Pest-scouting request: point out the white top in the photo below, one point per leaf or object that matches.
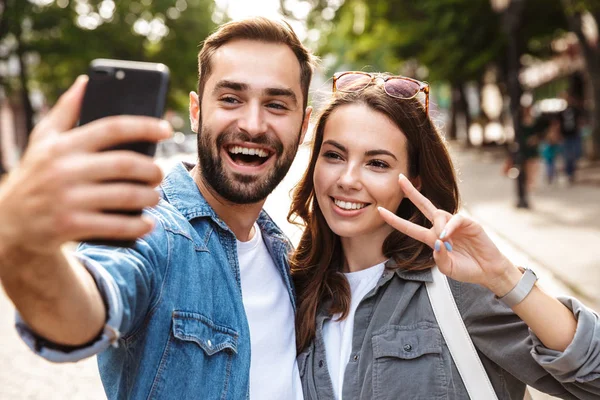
(338, 334)
(273, 368)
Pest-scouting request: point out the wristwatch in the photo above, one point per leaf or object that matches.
(521, 290)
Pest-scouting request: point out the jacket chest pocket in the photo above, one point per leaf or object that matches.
(408, 362)
(197, 347)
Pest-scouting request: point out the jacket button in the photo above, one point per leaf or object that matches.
(209, 343)
(407, 347)
(320, 363)
(355, 358)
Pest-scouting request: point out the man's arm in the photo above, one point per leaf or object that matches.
(59, 194)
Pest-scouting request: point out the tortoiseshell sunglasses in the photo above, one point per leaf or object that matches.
(399, 87)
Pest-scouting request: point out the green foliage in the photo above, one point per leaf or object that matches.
(63, 46)
(455, 39)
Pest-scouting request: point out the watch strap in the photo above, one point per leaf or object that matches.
(521, 290)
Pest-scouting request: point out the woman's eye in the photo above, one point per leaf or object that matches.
(379, 164)
(332, 155)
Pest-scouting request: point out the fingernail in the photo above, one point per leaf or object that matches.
(437, 245)
(443, 234)
(401, 176)
(448, 246)
(165, 126)
(81, 78)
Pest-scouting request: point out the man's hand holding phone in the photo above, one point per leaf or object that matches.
(65, 182)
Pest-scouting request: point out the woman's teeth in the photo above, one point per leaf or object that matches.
(346, 205)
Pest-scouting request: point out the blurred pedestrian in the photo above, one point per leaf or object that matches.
(529, 141)
(570, 122)
(550, 147)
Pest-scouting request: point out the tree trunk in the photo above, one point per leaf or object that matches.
(452, 135)
(464, 110)
(592, 62)
(513, 21)
(26, 102)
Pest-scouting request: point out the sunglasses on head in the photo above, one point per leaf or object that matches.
(399, 87)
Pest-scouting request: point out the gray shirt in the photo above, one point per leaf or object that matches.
(398, 351)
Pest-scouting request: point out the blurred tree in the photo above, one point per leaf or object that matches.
(456, 40)
(54, 40)
(576, 11)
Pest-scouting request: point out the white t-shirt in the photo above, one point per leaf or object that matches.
(273, 368)
(337, 335)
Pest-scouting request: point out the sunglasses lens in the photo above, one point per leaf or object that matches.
(402, 88)
(352, 82)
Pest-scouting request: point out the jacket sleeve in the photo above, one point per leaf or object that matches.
(128, 281)
(506, 342)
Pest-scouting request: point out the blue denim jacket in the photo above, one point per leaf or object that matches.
(176, 320)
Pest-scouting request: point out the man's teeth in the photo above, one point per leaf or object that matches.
(248, 151)
(346, 205)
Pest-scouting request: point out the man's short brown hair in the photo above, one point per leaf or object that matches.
(259, 29)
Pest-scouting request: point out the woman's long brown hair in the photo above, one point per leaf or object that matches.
(317, 261)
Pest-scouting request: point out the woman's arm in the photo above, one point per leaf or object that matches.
(464, 252)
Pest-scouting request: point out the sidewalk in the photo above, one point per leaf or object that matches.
(561, 230)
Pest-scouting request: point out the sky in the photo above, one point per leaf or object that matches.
(238, 9)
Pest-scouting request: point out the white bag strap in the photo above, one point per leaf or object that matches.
(457, 338)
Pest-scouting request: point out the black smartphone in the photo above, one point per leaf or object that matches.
(119, 87)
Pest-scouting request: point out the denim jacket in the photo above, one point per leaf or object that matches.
(398, 351)
(176, 320)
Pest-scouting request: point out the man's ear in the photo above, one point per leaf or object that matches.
(305, 123)
(194, 111)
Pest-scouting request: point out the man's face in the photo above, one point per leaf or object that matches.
(252, 119)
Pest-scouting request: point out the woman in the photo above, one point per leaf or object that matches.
(365, 327)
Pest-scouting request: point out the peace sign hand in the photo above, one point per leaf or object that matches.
(462, 249)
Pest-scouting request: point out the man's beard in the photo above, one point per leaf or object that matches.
(239, 188)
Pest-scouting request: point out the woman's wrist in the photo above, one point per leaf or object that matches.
(505, 281)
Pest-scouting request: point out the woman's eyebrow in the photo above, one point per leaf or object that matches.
(370, 153)
(379, 152)
(336, 144)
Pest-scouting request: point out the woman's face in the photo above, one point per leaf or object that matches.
(357, 169)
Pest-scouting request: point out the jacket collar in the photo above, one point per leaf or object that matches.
(181, 191)
(389, 272)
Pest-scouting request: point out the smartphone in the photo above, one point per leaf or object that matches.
(119, 87)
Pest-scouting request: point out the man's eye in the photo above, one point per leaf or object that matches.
(229, 100)
(277, 106)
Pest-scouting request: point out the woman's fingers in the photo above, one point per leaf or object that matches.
(415, 231)
(440, 219)
(451, 226)
(422, 202)
(442, 258)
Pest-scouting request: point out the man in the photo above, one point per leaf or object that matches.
(202, 307)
